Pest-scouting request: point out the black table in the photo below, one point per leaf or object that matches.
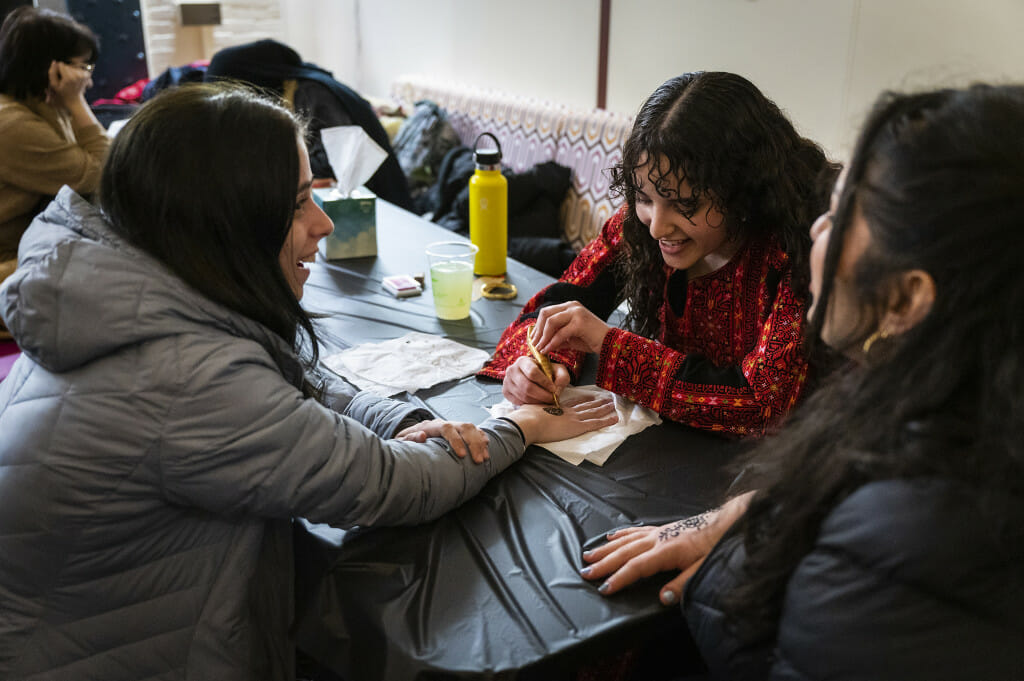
(490, 590)
(361, 311)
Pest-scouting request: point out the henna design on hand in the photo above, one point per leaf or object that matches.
(696, 522)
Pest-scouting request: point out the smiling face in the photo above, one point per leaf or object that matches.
(690, 232)
(309, 225)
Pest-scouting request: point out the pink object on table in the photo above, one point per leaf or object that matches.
(8, 353)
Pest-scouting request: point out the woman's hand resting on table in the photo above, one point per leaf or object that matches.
(580, 415)
(637, 552)
(463, 437)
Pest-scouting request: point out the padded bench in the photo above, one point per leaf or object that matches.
(533, 131)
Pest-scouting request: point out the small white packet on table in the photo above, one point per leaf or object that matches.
(597, 445)
(406, 364)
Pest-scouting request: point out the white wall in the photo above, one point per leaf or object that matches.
(168, 43)
(541, 48)
(823, 61)
(913, 44)
(323, 31)
(796, 51)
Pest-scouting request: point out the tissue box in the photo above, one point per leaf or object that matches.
(355, 223)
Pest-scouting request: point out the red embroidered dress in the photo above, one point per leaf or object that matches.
(729, 352)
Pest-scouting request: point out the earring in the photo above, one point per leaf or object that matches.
(879, 333)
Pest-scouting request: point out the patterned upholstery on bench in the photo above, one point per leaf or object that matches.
(590, 144)
(532, 131)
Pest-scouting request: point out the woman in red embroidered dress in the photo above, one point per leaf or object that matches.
(709, 251)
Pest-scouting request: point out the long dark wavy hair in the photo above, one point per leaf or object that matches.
(939, 180)
(204, 179)
(733, 146)
(32, 38)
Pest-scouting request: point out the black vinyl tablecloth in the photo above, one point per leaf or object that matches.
(492, 589)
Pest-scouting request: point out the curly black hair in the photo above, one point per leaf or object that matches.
(734, 147)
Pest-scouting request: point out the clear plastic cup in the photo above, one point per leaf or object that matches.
(451, 277)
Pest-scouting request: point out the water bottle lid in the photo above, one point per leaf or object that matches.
(489, 156)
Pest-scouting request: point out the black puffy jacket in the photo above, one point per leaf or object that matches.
(906, 581)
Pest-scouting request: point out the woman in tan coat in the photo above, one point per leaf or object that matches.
(48, 133)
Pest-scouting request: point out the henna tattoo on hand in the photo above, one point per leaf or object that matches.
(696, 522)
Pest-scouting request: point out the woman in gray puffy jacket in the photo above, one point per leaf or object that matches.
(163, 427)
(882, 533)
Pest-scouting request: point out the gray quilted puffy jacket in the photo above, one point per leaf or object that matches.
(152, 456)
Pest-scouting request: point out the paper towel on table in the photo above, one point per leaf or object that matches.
(409, 363)
(353, 155)
(597, 445)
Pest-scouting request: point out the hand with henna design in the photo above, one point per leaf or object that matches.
(633, 553)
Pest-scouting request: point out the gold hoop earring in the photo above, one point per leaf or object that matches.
(879, 333)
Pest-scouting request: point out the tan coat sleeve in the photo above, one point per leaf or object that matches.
(42, 155)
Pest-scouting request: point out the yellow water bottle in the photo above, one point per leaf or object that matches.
(488, 209)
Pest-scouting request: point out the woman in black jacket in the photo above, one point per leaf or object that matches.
(881, 534)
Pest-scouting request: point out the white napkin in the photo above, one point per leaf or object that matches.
(353, 155)
(597, 445)
(409, 363)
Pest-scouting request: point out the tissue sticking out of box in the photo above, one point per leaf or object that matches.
(354, 158)
(353, 155)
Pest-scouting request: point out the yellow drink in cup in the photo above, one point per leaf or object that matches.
(453, 289)
(451, 277)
